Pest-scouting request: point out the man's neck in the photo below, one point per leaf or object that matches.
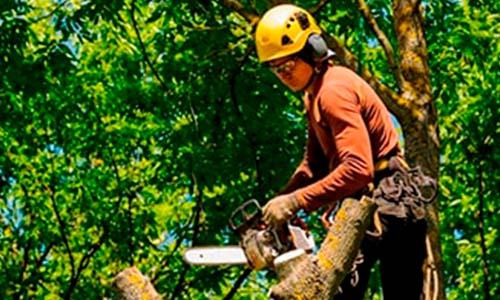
(314, 85)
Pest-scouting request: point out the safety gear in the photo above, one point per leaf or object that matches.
(318, 46)
(285, 67)
(282, 31)
(279, 210)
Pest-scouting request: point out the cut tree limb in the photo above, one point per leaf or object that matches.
(305, 277)
(130, 284)
(319, 276)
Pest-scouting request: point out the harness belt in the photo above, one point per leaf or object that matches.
(397, 189)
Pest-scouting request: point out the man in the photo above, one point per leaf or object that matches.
(349, 133)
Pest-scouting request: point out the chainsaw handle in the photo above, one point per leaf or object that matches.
(245, 216)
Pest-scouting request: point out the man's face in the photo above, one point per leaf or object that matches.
(292, 71)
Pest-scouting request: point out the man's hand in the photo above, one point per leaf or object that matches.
(280, 209)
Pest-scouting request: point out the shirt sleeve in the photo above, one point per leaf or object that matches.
(310, 169)
(341, 111)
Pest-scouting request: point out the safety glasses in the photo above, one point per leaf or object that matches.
(285, 67)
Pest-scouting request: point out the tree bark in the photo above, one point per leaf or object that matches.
(319, 276)
(130, 284)
(421, 129)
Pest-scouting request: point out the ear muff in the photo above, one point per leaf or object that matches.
(318, 47)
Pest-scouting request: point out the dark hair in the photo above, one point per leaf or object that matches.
(307, 55)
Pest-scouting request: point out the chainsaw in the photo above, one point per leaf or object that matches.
(260, 245)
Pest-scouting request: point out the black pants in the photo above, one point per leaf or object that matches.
(401, 250)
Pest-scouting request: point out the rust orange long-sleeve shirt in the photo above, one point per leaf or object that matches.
(349, 129)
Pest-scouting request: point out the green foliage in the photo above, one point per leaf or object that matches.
(465, 74)
(106, 162)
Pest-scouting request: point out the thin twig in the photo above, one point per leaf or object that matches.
(196, 190)
(238, 284)
(114, 166)
(193, 114)
(318, 6)
(29, 245)
(180, 283)
(130, 230)
(84, 262)
(178, 242)
(32, 281)
(62, 227)
(24, 265)
(143, 49)
(51, 13)
(86, 257)
(44, 255)
(383, 40)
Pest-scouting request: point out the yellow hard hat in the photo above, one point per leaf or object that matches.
(283, 30)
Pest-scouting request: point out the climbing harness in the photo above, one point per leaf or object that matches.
(405, 192)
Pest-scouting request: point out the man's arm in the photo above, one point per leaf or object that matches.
(284, 206)
(341, 109)
(310, 168)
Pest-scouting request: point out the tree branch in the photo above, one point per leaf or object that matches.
(62, 228)
(238, 283)
(118, 179)
(249, 136)
(87, 256)
(178, 242)
(400, 107)
(51, 13)
(28, 247)
(318, 6)
(383, 40)
(84, 262)
(413, 51)
(130, 221)
(240, 9)
(196, 190)
(33, 280)
(42, 257)
(143, 48)
(24, 265)
(486, 283)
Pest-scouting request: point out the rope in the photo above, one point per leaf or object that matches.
(431, 272)
(377, 232)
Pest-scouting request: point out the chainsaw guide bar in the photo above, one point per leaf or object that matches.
(215, 255)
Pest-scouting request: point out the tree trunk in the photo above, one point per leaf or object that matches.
(421, 130)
